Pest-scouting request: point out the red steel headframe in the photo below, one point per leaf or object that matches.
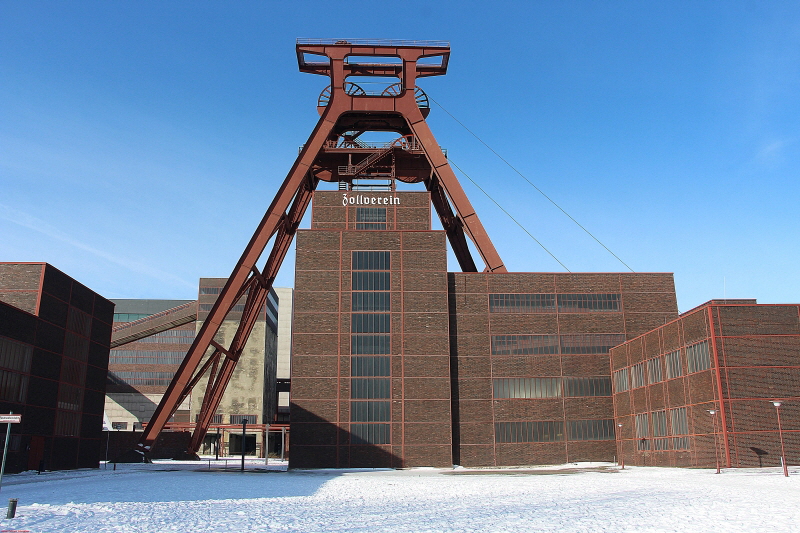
(395, 111)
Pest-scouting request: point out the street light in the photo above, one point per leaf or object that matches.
(619, 439)
(777, 405)
(713, 414)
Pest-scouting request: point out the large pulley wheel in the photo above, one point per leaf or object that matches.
(353, 89)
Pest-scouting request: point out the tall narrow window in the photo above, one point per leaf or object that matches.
(674, 368)
(642, 432)
(697, 357)
(637, 376)
(660, 430)
(654, 371)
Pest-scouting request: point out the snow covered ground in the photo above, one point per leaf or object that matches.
(193, 498)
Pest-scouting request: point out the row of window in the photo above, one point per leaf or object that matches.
(171, 336)
(138, 357)
(590, 343)
(654, 370)
(160, 379)
(129, 317)
(553, 431)
(662, 437)
(548, 303)
(556, 387)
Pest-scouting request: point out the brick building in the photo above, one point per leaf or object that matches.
(141, 369)
(54, 343)
(397, 362)
(729, 357)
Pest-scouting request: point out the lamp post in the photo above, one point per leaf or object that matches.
(619, 439)
(777, 405)
(713, 414)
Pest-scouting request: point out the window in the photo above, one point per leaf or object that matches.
(215, 419)
(68, 424)
(13, 386)
(210, 290)
(590, 429)
(642, 432)
(591, 386)
(370, 434)
(159, 379)
(173, 336)
(674, 368)
(660, 430)
(138, 357)
(524, 344)
(522, 303)
(370, 323)
(76, 346)
(16, 358)
(582, 303)
(129, 317)
(371, 301)
(637, 376)
(548, 431)
(371, 260)
(371, 281)
(590, 343)
(70, 397)
(697, 357)
(370, 218)
(370, 411)
(369, 388)
(238, 419)
(370, 344)
(79, 322)
(527, 388)
(621, 380)
(654, 371)
(369, 366)
(680, 426)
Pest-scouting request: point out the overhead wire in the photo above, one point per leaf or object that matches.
(508, 214)
(512, 167)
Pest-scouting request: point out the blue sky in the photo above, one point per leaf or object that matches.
(141, 142)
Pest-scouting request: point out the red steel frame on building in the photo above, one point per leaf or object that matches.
(342, 110)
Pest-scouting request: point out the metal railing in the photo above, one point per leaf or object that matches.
(376, 42)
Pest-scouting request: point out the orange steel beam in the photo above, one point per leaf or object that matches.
(392, 112)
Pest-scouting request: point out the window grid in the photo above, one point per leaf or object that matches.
(654, 370)
(637, 376)
(546, 431)
(674, 368)
(555, 387)
(238, 419)
(621, 380)
(642, 432)
(698, 357)
(370, 434)
(584, 303)
(371, 218)
(590, 429)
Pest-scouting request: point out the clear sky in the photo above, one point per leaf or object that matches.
(141, 142)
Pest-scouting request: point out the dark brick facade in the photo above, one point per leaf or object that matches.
(753, 358)
(446, 367)
(54, 339)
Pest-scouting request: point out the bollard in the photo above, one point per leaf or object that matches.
(12, 508)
